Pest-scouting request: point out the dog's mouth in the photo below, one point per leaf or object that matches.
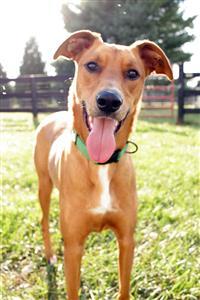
(101, 142)
(89, 120)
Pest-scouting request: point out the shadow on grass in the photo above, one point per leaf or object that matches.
(51, 282)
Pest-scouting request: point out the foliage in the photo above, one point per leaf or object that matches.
(32, 61)
(166, 258)
(2, 71)
(124, 22)
(64, 67)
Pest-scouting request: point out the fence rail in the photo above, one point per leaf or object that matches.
(160, 99)
(36, 94)
(184, 93)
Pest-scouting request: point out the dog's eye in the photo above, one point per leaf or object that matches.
(132, 74)
(92, 66)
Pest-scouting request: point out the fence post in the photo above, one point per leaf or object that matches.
(180, 117)
(34, 99)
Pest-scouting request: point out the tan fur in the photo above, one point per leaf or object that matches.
(59, 162)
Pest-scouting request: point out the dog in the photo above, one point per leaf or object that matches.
(82, 152)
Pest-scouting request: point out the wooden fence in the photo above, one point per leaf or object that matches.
(34, 94)
(37, 94)
(187, 98)
(158, 100)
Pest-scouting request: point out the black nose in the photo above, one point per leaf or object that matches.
(109, 101)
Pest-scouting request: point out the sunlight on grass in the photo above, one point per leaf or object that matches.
(166, 259)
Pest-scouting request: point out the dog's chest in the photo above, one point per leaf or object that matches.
(105, 200)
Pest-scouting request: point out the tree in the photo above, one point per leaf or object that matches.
(2, 72)
(32, 61)
(125, 21)
(64, 67)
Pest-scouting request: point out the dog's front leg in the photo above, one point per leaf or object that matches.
(126, 251)
(73, 251)
(74, 234)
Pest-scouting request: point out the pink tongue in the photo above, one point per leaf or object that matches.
(101, 141)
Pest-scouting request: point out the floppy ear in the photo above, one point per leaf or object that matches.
(76, 43)
(154, 58)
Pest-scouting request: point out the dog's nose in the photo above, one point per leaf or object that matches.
(109, 101)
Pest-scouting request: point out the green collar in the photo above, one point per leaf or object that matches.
(83, 149)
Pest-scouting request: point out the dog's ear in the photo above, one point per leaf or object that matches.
(76, 43)
(154, 58)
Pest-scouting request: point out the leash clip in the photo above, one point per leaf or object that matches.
(135, 145)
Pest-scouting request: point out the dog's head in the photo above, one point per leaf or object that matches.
(109, 81)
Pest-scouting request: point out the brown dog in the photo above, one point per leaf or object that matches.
(82, 151)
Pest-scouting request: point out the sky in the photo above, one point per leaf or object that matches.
(21, 19)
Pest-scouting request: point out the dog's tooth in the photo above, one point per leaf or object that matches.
(90, 122)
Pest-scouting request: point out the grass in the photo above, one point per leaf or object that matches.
(167, 254)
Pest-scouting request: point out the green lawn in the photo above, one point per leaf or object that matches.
(167, 254)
